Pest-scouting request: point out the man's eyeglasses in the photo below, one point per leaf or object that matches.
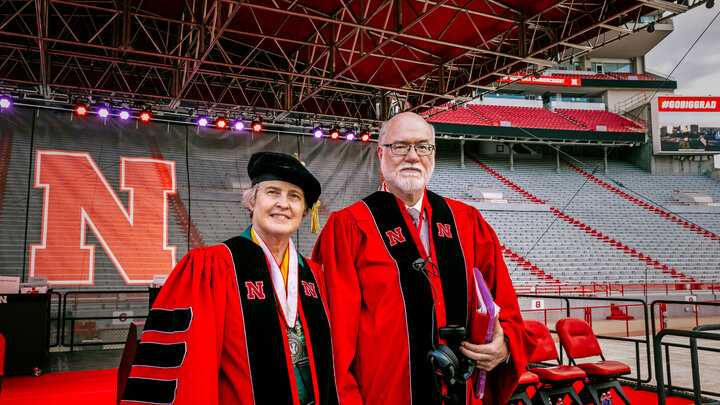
(402, 149)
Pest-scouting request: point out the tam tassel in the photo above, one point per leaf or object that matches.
(315, 218)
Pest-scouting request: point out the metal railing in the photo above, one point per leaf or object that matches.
(693, 335)
(118, 335)
(696, 333)
(622, 289)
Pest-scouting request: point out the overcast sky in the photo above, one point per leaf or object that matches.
(699, 72)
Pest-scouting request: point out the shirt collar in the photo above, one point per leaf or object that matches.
(418, 205)
(248, 235)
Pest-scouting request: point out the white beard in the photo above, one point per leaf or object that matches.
(406, 183)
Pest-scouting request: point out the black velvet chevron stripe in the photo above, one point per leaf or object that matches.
(160, 355)
(150, 391)
(264, 334)
(168, 321)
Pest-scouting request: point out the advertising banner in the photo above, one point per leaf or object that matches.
(554, 81)
(686, 125)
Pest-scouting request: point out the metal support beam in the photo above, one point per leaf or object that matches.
(41, 18)
(512, 156)
(605, 162)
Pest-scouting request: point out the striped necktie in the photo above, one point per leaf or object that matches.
(415, 215)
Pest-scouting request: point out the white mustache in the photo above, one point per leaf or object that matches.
(417, 166)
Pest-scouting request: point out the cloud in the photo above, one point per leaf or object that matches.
(697, 74)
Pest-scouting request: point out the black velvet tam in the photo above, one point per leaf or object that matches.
(264, 166)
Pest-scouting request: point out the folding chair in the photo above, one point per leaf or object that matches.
(555, 381)
(579, 341)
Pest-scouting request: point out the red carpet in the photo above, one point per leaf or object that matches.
(97, 387)
(636, 397)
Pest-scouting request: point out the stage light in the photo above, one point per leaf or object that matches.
(221, 123)
(81, 110)
(318, 132)
(710, 4)
(334, 134)
(103, 112)
(202, 121)
(238, 125)
(5, 102)
(124, 114)
(256, 126)
(651, 27)
(365, 136)
(145, 115)
(349, 135)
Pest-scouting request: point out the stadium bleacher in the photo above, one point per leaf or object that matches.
(599, 235)
(592, 119)
(669, 252)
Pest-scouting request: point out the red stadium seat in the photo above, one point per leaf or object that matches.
(2, 358)
(556, 381)
(579, 341)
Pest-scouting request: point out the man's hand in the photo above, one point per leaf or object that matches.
(489, 355)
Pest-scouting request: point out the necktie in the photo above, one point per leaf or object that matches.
(415, 215)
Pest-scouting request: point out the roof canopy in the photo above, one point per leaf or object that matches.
(306, 59)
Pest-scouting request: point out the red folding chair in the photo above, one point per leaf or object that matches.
(555, 381)
(579, 341)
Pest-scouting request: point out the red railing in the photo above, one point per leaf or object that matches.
(610, 289)
(587, 314)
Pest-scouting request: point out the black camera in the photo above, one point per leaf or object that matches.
(448, 362)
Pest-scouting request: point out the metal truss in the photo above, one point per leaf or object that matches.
(293, 60)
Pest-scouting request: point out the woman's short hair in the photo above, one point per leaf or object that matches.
(248, 197)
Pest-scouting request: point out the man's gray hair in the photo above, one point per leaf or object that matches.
(386, 124)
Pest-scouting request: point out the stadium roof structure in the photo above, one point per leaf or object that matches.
(293, 60)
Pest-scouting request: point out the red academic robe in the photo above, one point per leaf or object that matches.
(215, 334)
(372, 324)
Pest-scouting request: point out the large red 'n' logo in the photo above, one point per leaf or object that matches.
(77, 197)
(395, 236)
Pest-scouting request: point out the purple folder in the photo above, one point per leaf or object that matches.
(481, 375)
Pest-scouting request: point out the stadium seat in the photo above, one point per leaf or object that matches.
(579, 341)
(555, 381)
(2, 359)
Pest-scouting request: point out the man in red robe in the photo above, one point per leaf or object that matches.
(398, 266)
